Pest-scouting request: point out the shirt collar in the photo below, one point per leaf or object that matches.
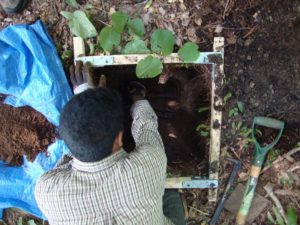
(105, 163)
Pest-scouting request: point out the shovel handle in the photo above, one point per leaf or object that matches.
(268, 122)
(248, 195)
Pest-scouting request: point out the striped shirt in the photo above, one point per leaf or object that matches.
(124, 188)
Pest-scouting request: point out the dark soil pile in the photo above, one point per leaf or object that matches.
(23, 131)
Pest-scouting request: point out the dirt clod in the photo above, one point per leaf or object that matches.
(23, 131)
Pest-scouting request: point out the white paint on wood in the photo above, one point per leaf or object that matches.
(176, 182)
(78, 46)
(216, 117)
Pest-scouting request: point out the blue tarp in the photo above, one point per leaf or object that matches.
(31, 74)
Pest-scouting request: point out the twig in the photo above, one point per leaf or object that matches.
(295, 201)
(101, 21)
(225, 9)
(294, 167)
(295, 193)
(226, 28)
(199, 211)
(253, 29)
(280, 158)
(236, 155)
(269, 189)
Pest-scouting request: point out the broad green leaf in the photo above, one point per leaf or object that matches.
(162, 42)
(79, 24)
(67, 15)
(189, 52)
(292, 216)
(119, 21)
(136, 26)
(72, 3)
(241, 106)
(149, 67)
(109, 38)
(135, 47)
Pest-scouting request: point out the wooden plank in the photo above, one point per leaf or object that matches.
(176, 182)
(114, 60)
(216, 119)
(78, 46)
(134, 59)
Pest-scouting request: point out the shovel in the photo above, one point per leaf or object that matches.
(259, 157)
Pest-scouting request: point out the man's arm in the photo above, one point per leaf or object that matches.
(144, 126)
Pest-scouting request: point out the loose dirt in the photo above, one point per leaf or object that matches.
(23, 131)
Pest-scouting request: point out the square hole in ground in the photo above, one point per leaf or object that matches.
(181, 98)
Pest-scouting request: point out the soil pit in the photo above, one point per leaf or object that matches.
(24, 131)
(176, 103)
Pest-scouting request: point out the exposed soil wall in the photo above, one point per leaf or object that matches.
(176, 103)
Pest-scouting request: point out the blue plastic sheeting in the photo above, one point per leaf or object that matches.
(32, 74)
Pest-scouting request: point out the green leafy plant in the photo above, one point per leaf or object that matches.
(119, 21)
(233, 112)
(227, 97)
(203, 109)
(72, 3)
(272, 156)
(129, 32)
(243, 132)
(135, 47)
(203, 130)
(162, 42)
(109, 38)
(239, 108)
(149, 67)
(292, 217)
(189, 52)
(136, 27)
(79, 24)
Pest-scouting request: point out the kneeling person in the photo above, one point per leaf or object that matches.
(100, 183)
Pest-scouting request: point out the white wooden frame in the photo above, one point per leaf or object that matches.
(216, 59)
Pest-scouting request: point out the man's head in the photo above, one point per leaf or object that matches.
(91, 124)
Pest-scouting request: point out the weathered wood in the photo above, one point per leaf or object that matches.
(134, 59)
(176, 182)
(216, 119)
(78, 46)
(115, 60)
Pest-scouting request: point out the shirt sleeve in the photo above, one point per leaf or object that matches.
(145, 126)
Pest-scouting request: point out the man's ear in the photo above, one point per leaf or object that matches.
(118, 142)
(120, 138)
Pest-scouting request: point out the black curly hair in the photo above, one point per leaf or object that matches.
(90, 122)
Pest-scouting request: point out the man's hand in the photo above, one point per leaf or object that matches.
(137, 91)
(83, 77)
